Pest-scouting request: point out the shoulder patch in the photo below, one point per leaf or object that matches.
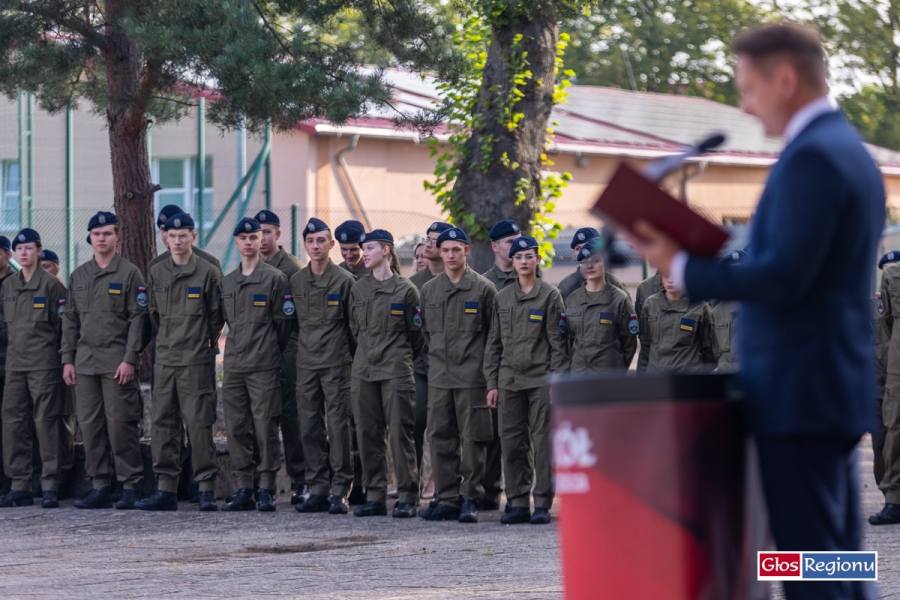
(142, 299)
(880, 303)
(633, 327)
(61, 307)
(563, 328)
(417, 318)
(288, 307)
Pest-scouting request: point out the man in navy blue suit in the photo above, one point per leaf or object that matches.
(804, 339)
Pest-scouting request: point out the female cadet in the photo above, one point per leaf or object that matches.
(385, 320)
(602, 325)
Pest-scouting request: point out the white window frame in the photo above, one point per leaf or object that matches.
(10, 201)
(188, 192)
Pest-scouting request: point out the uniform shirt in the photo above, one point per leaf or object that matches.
(457, 319)
(724, 329)
(33, 315)
(322, 305)
(185, 311)
(4, 338)
(648, 287)
(290, 265)
(499, 278)
(260, 315)
(386, 322)
(602, 328)
(675, 336)
(363, 270)
(575, 280)
(198, 251)
(527, 340)
(105, 317)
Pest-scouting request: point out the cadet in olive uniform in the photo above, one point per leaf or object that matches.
(103, 336)
(348, 234)
(275, 256)
(33, 302)
(456, 309)
(187, 319)
(50, 261)
(527, 342)
(575, 280)
(724, 324)
(600, 319)
(385, 320)
(5, 272)
(676, 333)
(321, 294)
(419, 278)
(259, 311)
(166, 213)
(648, 287)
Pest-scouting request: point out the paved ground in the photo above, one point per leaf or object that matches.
(68, 553)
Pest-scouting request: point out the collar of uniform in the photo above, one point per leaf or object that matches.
(501, 274)
(387, 286)
(603, 297)
(320, 280)
(253, 277)
(534, 291)
(680, 305)
(35, 280)
(110, 268)
(276, 260)
(465, 282)
(188, 269)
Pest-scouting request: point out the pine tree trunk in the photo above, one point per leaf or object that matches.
(491, 194)
(126, 117)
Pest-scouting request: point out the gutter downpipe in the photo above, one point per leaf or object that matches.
(355, 200)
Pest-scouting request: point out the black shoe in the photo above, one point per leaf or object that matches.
(160, 500)
(49, 500)
(17, 499)
(242, 500)
(541, 516)
(441, 512)
(207, 501)
(128, 500)
(516, 514)
(300, 495)
(98, 498)
(404, 510)
(5, 486)
(195, 493)
(357, 496)
(266, 501)
(889, 515)
(116, 491)
(339, 506)
(371, 509)
(432, 504)
(315, 503)
(469, 511)
(487, 504)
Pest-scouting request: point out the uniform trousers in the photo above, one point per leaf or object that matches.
(323, 400)
(183, 397)
(252, 404)
(493, 469)
(291, 435)
(525, 441)
(377, 406)
(890, 411)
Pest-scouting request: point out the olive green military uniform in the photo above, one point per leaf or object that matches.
(290, 420)
(724, 329)
(420, 370)
(499, 278)
(575, 280)
(104, 324)
(890, 304)
(457, 319)
(363, 270)
(323, 377)
(187, 318)
(385, 320)
(527, 342)
(35, 392)
(602, 329)
(260, 315)
(880, 354)
(357, 463)
(648, 287)
(675, 336)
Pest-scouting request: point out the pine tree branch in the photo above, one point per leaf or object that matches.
(275, 34)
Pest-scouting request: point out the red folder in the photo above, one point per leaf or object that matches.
(631, 197)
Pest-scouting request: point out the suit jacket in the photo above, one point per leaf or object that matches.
(804, 335)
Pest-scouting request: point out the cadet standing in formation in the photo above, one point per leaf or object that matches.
(50, 261)
(275, 256)
(675, 333)
(648, 287)
(385, 321)
(321, 296)
(104, 326)
(724, 325)
(527, 343)
(575, 280)
(187, 318)
(457, 307)
(5, 273)
(35, 394)
(348, 234)
(600, 319)
(166, 213)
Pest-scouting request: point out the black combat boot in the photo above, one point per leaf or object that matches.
(316, 503)
(128, 500)
(404, 510)
(301, 494)
(98, 498)
(339, 506)
(242, 500)
(441, 512)
(49, 500)
(159, 501)
(207, 502)
(266, 500)
(469, 511)
(541, 516)
(15, 498)
(371, 509)
(516, 515)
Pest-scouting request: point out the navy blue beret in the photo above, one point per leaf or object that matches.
(4, 243)
(377, 235)
(348, 232)
(179, 221)
(439, 227)
(502, 229)
(247, 225)
(102, 219)
(582, 235)
(315, 226)
(891, 257)
(525, 242)
(49, 255)
(25, 236)
(454, 234)
(590, 248)
(267, 217)
(734, 258)
(167, 211)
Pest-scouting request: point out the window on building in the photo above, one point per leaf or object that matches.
(178, 178)
(10, 195)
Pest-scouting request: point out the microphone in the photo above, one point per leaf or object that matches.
(658, 169)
